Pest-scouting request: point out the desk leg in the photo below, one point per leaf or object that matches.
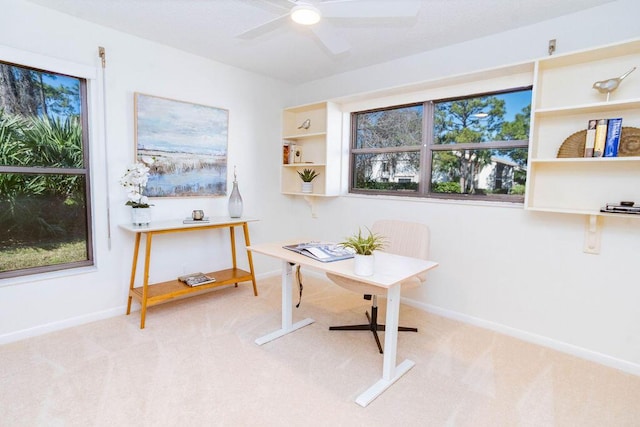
(136, 248)
(287, 307)
(390, 372)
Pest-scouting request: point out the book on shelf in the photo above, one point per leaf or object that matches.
(296, 155)
(601, 138)
(590, 140)
(323, 252)
(195, 221)
(285, 154)
(196, 279)
(614, 128)
(292, 153)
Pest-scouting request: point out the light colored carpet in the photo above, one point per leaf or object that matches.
(196, 364)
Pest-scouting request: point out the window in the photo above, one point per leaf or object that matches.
(471, 148)
(44, 172)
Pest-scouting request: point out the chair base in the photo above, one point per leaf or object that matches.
(372, 326)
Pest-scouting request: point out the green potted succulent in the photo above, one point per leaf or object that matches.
(307, 176)
(364, 245)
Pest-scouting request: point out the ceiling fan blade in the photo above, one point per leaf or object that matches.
(284, 4)
(336, 45)
(263, 28)
(368, 8)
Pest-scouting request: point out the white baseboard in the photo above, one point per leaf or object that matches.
(583, 353)
(79, 320)
(563, 347)
(63, 324)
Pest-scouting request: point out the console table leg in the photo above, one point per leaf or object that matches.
(232, 233)
(247, 243)
(136, 247)
(143, 315)
(129, 304)
(145, 283)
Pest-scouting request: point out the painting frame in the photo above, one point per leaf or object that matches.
(184, 144)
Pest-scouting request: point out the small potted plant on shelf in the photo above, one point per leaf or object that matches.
(364, 246)
(307, 176)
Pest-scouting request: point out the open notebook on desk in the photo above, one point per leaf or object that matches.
(324, 252)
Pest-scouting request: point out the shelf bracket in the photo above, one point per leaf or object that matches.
(311, 202)
(592, 234)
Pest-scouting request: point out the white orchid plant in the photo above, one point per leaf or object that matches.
(135, 181)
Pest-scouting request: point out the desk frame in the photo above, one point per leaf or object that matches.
(287, 308)
(153, 294)
(404, 267)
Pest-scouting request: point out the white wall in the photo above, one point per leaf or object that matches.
(520, 272)
(35, 305)
(523, 273)
(606, 24)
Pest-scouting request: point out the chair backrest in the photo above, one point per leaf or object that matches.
(404, 238)
(401, 238)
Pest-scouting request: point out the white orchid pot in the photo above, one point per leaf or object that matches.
(140, 216)
(307, 187)
(363, 265)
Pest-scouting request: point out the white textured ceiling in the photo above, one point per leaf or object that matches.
(209, 28)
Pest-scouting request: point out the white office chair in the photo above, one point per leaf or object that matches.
(401, 238)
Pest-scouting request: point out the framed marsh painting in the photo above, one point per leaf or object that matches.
(188, 143)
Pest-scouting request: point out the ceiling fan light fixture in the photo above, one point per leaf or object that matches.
(305, 14)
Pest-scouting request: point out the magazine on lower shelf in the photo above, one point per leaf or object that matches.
(196, 279)
(322, 251)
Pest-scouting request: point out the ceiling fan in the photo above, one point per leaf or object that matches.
(311, 13)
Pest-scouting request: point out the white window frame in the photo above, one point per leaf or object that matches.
(94, 102)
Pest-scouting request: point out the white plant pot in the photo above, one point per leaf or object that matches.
(140, 216)
(363, 265)
(307, 187)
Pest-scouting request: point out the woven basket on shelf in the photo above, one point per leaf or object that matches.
(629, 142)
(573, 146)
(629, 145)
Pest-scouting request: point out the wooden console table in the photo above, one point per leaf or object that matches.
(158, 293)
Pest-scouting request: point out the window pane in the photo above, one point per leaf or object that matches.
(387, 171)
(498, 117)
(44, 211)
(479, 172)
(474, 146)
(397, 127)
(39, 118)
(42, 220)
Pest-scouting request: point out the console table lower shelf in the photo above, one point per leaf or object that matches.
(159, 293)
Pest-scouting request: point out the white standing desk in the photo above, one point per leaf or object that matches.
(390, 271)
